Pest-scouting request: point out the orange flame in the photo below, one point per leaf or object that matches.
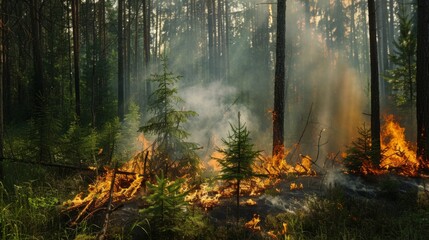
(294, 186)
(398, 154)
(253, 224)
(125, 187)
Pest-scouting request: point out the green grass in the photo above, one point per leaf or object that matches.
(338, 216)
(29, 209)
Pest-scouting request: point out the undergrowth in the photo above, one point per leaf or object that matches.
(339, 216)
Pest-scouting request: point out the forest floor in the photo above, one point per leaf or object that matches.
(330, 206)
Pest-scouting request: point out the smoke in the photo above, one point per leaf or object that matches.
(320, 78)
(317, 76)
(217, 105)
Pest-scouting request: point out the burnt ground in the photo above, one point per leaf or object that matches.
(384, 189)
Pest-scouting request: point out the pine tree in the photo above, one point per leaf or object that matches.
(172, 152)
(359, 153)
(402, 76)
(168, 214)
(238, 157)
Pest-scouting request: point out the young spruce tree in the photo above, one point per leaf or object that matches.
(238, 158)
(403, 75)
(166, 212)
(173, 155)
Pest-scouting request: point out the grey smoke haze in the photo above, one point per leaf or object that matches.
(315, 77)
(217, 106)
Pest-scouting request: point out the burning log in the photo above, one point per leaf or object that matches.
(109, 206)
(111, 187)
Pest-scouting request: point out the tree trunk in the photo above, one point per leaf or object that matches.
(279, 81)
(39, 98)
(4, 77)
(422, 83)
(227, 64)
(76, 53)
(1, 94)
(146, 45)
(210, 31)
(121, 102)
(375, 97)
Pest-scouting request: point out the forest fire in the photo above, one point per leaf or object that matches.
(125, 187)
(398, 154)
(128, 182)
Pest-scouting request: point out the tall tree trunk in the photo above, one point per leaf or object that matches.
(76, 54)
(375, 95)
(279, 81)
(39, 98)
(210, 31)
(121, 102)
(95, 62)
(227, 64)
(127, 67)
(136, 74)
(422, 82)
(146, 45)
(2, 32)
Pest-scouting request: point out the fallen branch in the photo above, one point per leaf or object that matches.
(302, 134)
(80, 168)
(109, 206)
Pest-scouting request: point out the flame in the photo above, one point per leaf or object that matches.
(250, 202)
(131, 177)
(213, 163)
(125, 187)
(398, 154)
(253, 224)
(294, 186)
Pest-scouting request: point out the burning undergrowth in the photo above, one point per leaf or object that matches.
(128, 182)
(398, 154)
(277, 187)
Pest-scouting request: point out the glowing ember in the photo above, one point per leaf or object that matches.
(272, 235)
(253, 224)
(250, 202)
(294, 186)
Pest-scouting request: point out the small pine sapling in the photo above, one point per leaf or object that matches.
(168, 214)
(238, 158)
(172, 151)
(359, 154)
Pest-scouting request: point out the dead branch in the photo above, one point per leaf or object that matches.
(109, 206)
(302, 134)
(57, 165)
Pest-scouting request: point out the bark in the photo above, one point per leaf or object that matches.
(76, 54)
(227, 64)
(38, 80)
(4, 77)
(422, 82)
(146, 43)
(1, 98)
(375, 95)
(279, 81)
(210, 31)
(121, 102)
